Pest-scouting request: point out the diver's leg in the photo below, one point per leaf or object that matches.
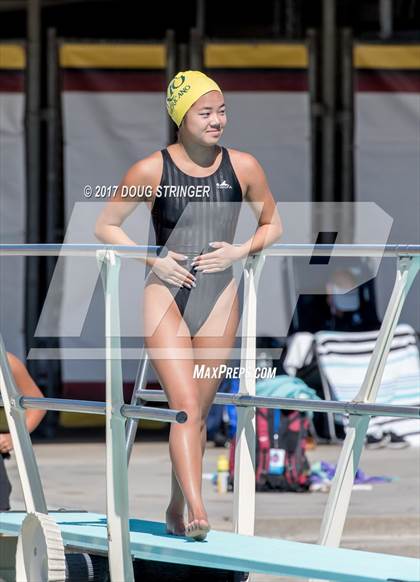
(224, 305)
(162, 322)
(224, 315)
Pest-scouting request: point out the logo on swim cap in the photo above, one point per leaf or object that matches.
(175, 84)
(184, 90)
(175, 92)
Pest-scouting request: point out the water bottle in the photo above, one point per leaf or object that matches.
(222, 474)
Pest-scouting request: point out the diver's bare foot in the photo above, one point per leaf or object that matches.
(197, 529)
(175, 522)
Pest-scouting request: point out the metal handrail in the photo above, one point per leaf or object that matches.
(281, 250)
(301, 404)
(222, 398)
(95, 407)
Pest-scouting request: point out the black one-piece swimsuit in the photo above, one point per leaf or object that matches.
(187, 224)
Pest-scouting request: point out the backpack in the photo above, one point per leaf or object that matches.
(280, 460)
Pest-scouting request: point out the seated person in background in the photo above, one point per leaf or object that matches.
(27, 387)
(344, 302)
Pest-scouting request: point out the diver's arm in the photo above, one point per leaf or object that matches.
(142, 178)
(27, 387)
(261, 200)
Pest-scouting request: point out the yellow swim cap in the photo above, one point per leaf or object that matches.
(184, 90)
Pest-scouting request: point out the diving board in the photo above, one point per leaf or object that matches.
(229, 551)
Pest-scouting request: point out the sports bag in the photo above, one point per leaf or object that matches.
(280, 460)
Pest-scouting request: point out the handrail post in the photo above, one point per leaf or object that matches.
(244, 478)
(139, 385)
(339, 496)
(119, 551)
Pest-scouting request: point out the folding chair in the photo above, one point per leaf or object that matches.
(343, 359)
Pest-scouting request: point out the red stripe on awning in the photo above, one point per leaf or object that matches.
(12, 81)
(246, 80)
(125, 81)
(129, 81)
(116, 81)
(388, 81)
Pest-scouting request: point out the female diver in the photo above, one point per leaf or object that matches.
(191, 298)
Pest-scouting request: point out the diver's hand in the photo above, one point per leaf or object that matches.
(6, 444)
(217, 260)
(171, 272)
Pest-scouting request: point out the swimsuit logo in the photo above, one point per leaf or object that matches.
(223, 185)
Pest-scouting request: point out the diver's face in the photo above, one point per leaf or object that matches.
(205, 120)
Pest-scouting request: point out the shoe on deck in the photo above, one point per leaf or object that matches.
(377, 442)
(396, 441)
